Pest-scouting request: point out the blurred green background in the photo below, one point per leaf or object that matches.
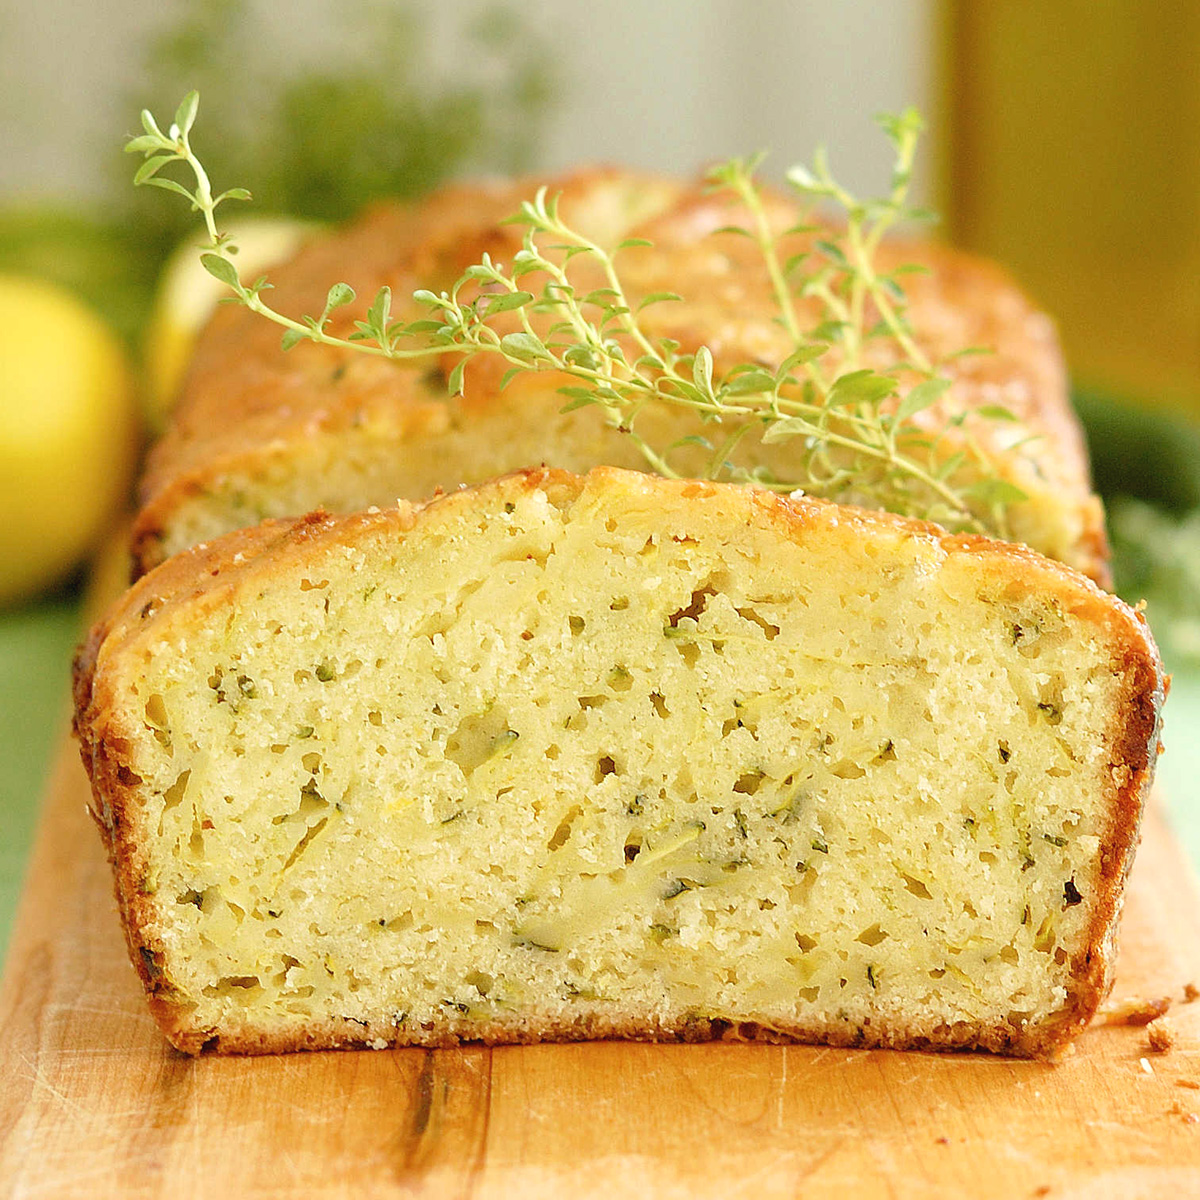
(1064, 140)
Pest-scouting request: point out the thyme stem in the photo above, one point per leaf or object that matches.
(856, 434)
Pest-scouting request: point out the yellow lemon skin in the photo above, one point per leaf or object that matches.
(187, 294)
(68, 433)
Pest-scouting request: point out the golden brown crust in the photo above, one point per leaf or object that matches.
(246, 405)
(207, 573)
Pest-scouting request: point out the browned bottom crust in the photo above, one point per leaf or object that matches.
(1043, 1043)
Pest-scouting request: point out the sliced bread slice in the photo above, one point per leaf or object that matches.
(564, 757)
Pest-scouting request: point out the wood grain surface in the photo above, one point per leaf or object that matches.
(94, 1103)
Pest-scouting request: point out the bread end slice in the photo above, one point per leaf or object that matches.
(564, 757)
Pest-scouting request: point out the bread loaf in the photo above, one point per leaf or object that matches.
(558, 757)
(262, 433)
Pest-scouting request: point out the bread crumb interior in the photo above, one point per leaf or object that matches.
(599, 756)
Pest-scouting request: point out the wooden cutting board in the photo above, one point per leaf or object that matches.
(94, 1103)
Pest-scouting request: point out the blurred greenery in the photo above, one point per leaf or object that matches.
(1138, 450)
(1146, 466)
(101, 261)
(376, 117)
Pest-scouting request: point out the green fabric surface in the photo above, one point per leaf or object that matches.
(36, 644)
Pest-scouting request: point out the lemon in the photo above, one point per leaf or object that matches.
(187, 294)
(68, 432)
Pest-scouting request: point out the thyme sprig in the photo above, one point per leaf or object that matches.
(853, 424)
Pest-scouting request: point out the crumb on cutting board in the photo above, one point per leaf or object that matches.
(1161, 1035)
(1134, 1010)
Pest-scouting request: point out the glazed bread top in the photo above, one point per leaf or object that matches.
(245, 437)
